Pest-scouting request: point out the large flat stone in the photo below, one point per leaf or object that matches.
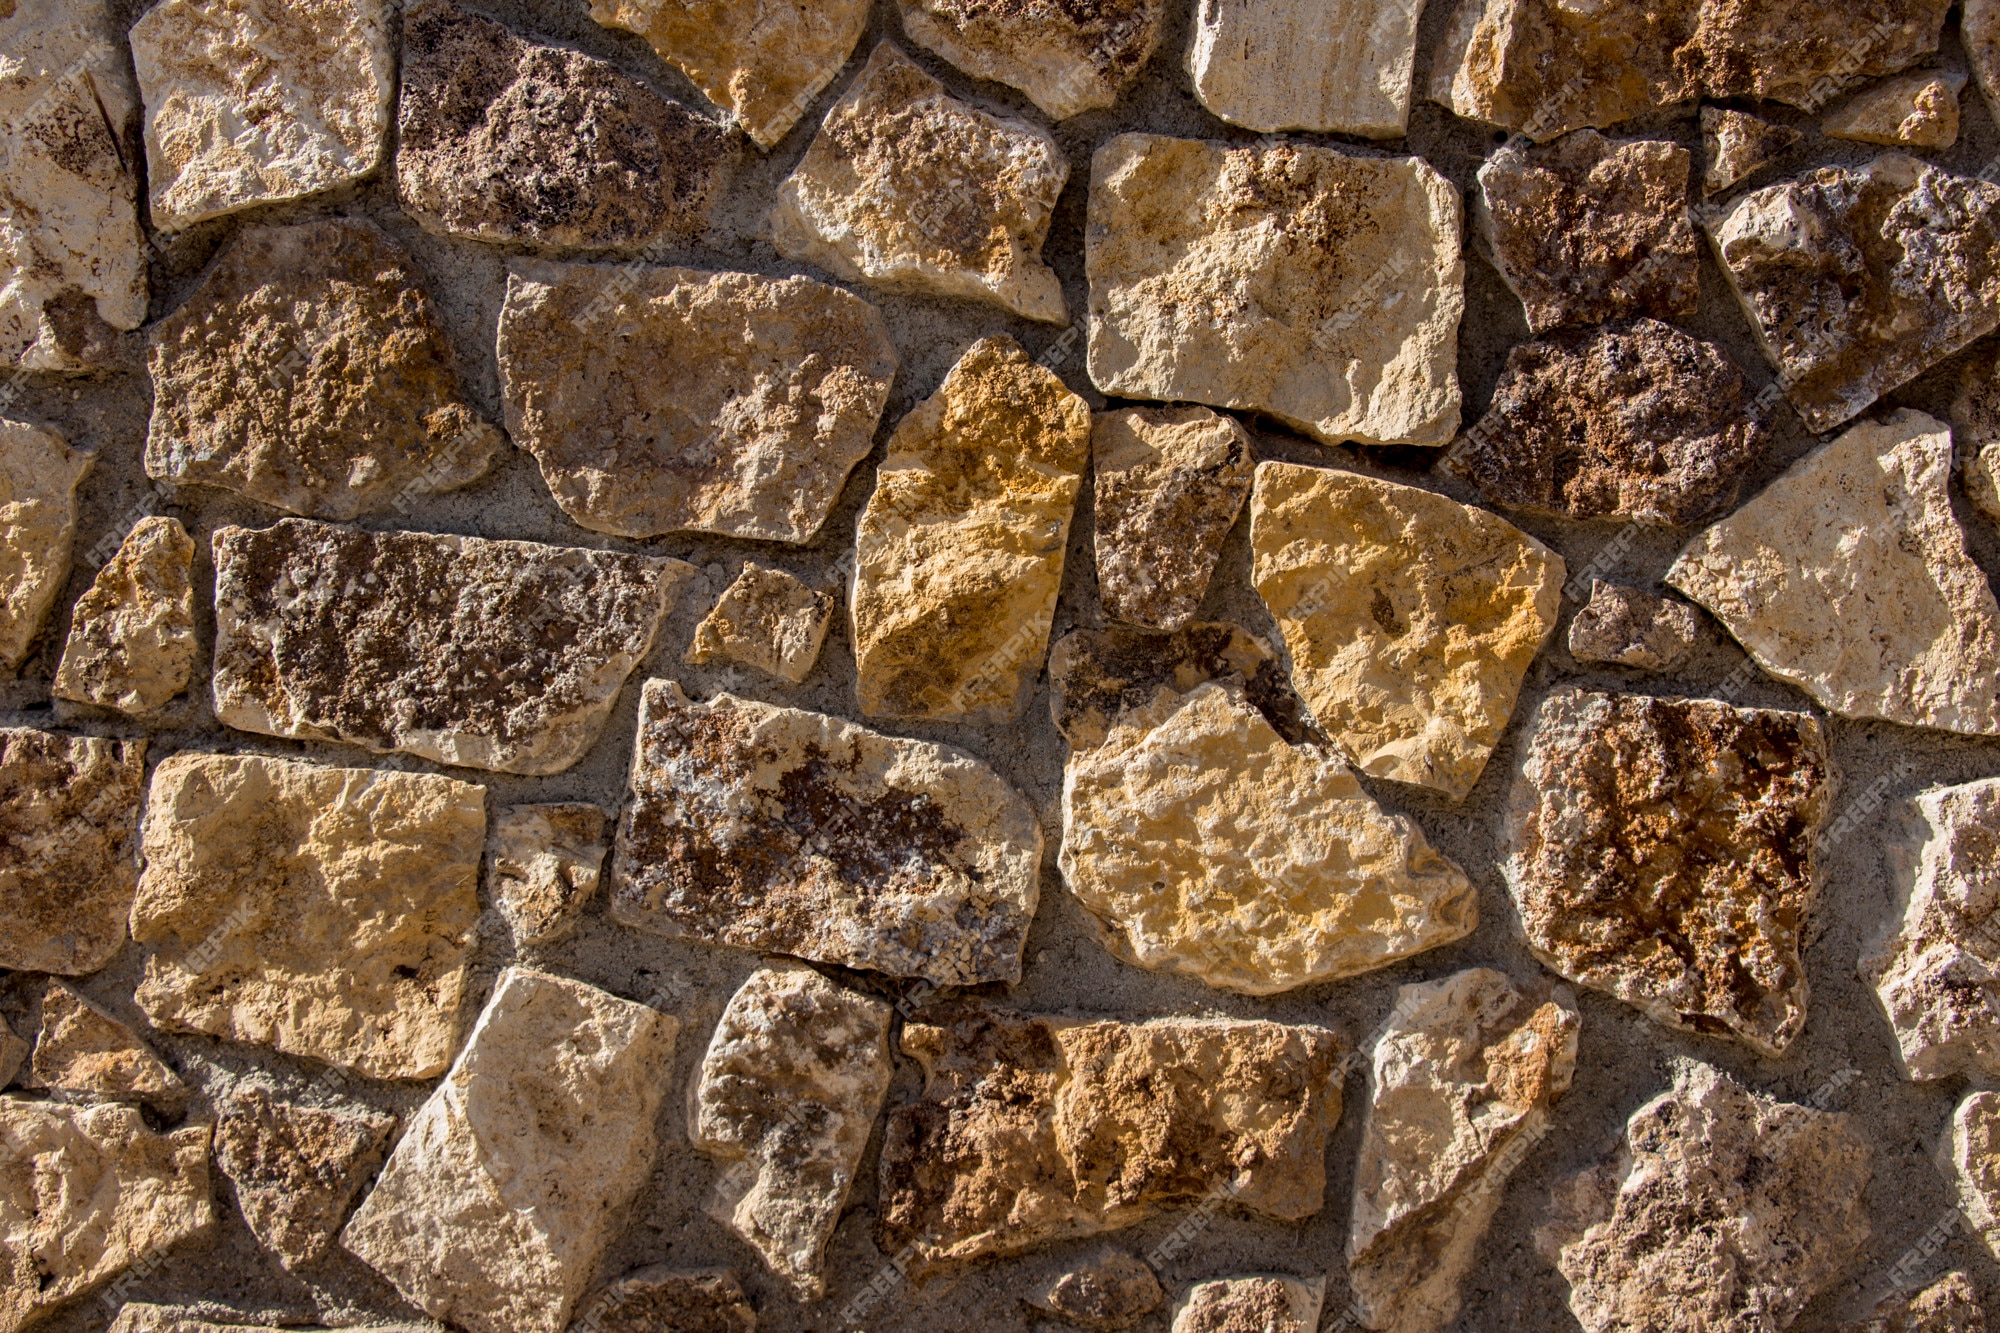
(85, 1052)
(1068, 56)
(1170, 483)
(1265, 1303)
(767, 619)
(1344, 68)
(542, 867)
(69, 826)
(297, 1169)
(132, 637)
(39, 474)
(1097, 676)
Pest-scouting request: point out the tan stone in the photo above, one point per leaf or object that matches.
(1948, 1305)
(39, 474)
(1971, 1152)
(1913, 111)
(1261, 1304)
(1306, 65)
(131, 639)
(297, 1169)
(1098, 676)
(542, 868)
(69, 833)
(136, 1317)
(1110, 1290)
(660, 1299)
(1975, 429)
(1170, 484)
(766, 619)
(1979, 30)
(1326, 286)
(84, 1051)
(1068, 57)
(959, 554)
(1737, 145)
(1628, 627)
(325, 912)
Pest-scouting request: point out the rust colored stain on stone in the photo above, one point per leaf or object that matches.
(69, 836)
(1096, 676)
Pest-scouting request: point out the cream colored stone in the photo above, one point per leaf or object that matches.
(1251, 1305)
(1737, 146)
(131, 638)
(1912, 111)
(69, 826)
(1170, 483)
(542, 868)
(1068, 56)
(297, 1169)
(766, 619)
(82, 1050)
(39, 474)
(1971, 1152)
(1274, 65)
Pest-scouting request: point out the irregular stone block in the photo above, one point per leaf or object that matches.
(959, 554)
(1979, 30)
(1170, 483)
(1972, 1164)
(793, 832)
(131, 637)
(325, 912)
(487, 1215)
(1975, 429)
(1661, 851)
(1737, 146)
(1097, 676)
(1627, 627)
(1068, 57)
(297, 1169)
(1411, 619)
(675, 400)
(658, 1299)
(1849, 578)
(83, 1050)
(911, 190)
(309, 371)
(766, 619)
(1331, 285)
(499, 655)
(69, 833)
(1305, 65)
(542, 867)
(39, 474)
(1264, 1304)
(135, 1317)
(1913, 111)
(1108, 1291)
(1948, 1305)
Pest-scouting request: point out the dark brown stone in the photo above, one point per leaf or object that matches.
(69, 848)
(658, 1299)
(1170, 483)
(1097, 675)
(1628, 627)
(297, 1169)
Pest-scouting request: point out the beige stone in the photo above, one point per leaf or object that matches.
(69, 835)
(137, 1317)
(1110, 1290)
(131, 638)
(297, 1169)
(1632, 628)
(84, 1051)
(1272, 65)
(1948, 1305)
(1170, 483)
(1737, 145)
(542, 868)
(1979, 30)
(1971, 1152)
(959, 554)
(766, 619)
(1321, 287)
(1261, 1304)
(39, 474)
(661, 1299)
(1912, 111)
(1068, 57)
(325, 912)
(1098, 676)
(1975, 430)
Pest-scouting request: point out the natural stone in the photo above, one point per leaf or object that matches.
(790, 1089)
(1205, 845)
(1849, 578)
(1638, 422)
(659, 1299)
(131, 638)
(911, 190)
(1737, 145)
(1979, 30)
(959, 554)
(1725, 1210)
(39, 474)
(792, 832)
(1948, 1305)
(487, 1216)
(1170, 483)
(297, 1169)
(1589, 230)
(84, 1051)
(1030, 1129)
(1971, 1153)
(137, 1317)
(309, 371)
(1108, 1291)
(1913, 111)
(69, 841)
(325, 912)
(499, 655)
(502, 139)
(260, 101)
(1858, 280)
(1068, 57)
(1251, 1305)
(766, 619)
(542, 867)
(1306, 66)
(1661, 851)
(1097, 676)
(1628, 627)
(674, 400)
(13, 1054)
(1331, 285)
(1411, 619)
(1461, 1084)
(1975, 428)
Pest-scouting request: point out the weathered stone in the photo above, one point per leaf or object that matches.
(1661, 851)
(39, 474)
(959, 554)
(1068, 57)
(498, 655)
(1975, 429)
(1627, 627)
(13, 1054)
(1031, 1129)
(84, 1051)
(1305, 65)
(542, 867)
(790, 1088)
(675, 400)
(911, 190)
(1589, 230)
(1948, 1305)
(1170, 483)
(1725, 1210)
(1979, 30)
(1971, 1153)
(69, 833)
(1461, 1084)
(260, 101)
(309, 371)
(1108, 1291)
(1330, 285)
(297, 1169)
(1737, 146)
(1251, 1305)
(660, 1299)
(502, 139)
(793, 832)
(766, 619)
(1859, 280)
(1411, 619)
(326, 912)
(1096, 676)
(136, 1317)
(1849, 578)
(1913, 111)
(131, 638)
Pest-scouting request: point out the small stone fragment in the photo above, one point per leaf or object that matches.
(659, 1299)
(1107, 1292)
(1975, 428)
(1068, 57)
(912, 190)
(542, 866)
(297, 1169)
(766, 619)
(674, 400)
(1411, 619)
(1948, 1305)
(131, 638)
(1306, 65)
(1251, 1305)
(1170, 483)
(792, 832)
(1738, 145)
(39, 474)
(260, 101)
(325, 912)
(1627, 627)
(1330, 285)
(959, 554)
(1849, 578)
(13, 1054)
(1097, 676)
(84, 1051)
(498, 655)
(69, 835)
(1913, 111)
(135, 1317)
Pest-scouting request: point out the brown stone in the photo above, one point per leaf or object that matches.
(1108, 1291)
(39, 474)
(69, 839)
(1170, 484)
(1096, 676)
(13, 1054)
(1979, 29)
(296, 1168)
(1261, 1304)
(1068, 57)
(660, 1299)
(1948, 1305)
(207, 1317)
(1975, 429)
(1737, 146)
(1627, 627)
(84, 1051)
(542, 866)
(131, 637)
(766, 619)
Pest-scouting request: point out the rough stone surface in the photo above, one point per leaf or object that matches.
(69, 831)
(260, 101)
(1108, 1291)
(959, 554)
(1170, 483)
(675, 400)
(297, 1169)
(1068, 57)
(84, 1051)
(772, 828)
(1948, 1305)
(1979, 30)
(1330, 285)
(661, 1299)
(1096, 676)
(1913, 111)
(325, 912)
(1972, 1164)
(1849, 578)
(497, 655)
(139, 1317)
(39, 475)
(766, 619)
(1411, 619)
(1262, 1304)
(132, 639)
(1975, 429)
(1307, 65)
(1631, 628)
(487, 1215)
(542, 867)
(1737, 145)
(13, 1054)
(1661, 851)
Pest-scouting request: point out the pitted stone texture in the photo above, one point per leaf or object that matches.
(660, 1299)
(1661, 851)
(84, 1051)
(69, 832)
(1737, 146)
(487, 1215)
(1329, 285)
(260, 101)
(1975, 429)
(1109, 1291)
(325, 912)
(789, 1090)
(136, 1317)
(1068, 57)
(542, 868)
(1411, 619)
(1461, 1084)
(1979, 30)
(39, 474)
(959, 554)
(1170, 483)
(1972, 1164)
(1948, 1305)
(911, 190)
(1031, 1129)
(131, 637)
(1913, 111)
(675, 400)
(499, 655)
(1631, 628)
(796, 833)
(1849, 578)
(1097, 676)
(1262, 1304)
(766, 619)
(1306, 65)
(502, 139)
(297, 1169)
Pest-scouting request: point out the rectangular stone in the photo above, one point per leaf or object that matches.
(69, 825)
(1272, 65)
